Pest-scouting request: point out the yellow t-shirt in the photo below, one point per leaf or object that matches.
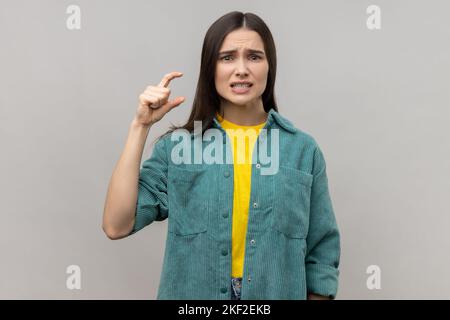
(243, 140)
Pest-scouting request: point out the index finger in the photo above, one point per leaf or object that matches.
(169, 77)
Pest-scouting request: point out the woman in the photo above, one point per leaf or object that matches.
(235, 231)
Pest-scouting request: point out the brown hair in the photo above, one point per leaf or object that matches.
(207, 100)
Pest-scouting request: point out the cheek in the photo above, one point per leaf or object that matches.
(264, 71)
(222, 79)
(219, 76)
(261, 76)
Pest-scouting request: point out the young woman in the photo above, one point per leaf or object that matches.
(261, 228)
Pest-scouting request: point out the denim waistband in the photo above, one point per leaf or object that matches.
(236, 285)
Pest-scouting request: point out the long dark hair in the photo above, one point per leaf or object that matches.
(207, 100)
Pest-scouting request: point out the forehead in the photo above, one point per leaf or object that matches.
(242, 38)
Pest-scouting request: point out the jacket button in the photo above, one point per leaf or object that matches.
(252, 242)
(255, 204)
(224, 252)
(223, 290)
(226, 174)
(249, 279)
(225, 215)
(258, 165)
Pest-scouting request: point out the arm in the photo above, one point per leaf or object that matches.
(323, 239)
(120, 204)
(135, 200)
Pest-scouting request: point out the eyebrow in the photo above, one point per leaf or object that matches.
(249, 50)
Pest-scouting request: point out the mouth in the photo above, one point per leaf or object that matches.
(243, 84)
(241, 87)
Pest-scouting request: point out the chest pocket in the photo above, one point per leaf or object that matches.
(188, 197)
(292, 202)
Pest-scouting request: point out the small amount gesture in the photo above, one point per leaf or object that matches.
(154, 101)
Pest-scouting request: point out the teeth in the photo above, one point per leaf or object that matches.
(241, 85)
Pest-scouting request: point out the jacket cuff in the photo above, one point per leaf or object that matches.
(322, 279)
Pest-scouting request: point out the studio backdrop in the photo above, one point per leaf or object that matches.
(367, 79)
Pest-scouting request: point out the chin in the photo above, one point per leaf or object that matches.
(241, 99)
(240, 102)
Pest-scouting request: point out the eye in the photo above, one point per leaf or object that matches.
(223, 58)
(256, 56)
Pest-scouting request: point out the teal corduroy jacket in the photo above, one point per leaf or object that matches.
(292, 243)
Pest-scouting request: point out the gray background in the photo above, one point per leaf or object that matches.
(376, 101)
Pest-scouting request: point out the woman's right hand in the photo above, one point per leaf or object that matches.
(154, 103)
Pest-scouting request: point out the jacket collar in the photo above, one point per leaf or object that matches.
(273, 116)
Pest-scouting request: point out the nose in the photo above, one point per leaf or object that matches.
(241, 68)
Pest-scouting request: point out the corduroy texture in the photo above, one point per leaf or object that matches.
(292, 241)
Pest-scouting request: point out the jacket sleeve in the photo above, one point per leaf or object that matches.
(152, 203)
(323, 239)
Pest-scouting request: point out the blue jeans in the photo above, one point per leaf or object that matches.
(236, 285)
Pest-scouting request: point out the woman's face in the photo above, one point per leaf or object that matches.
(241, 58)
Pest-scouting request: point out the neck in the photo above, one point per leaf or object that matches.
(245, 115)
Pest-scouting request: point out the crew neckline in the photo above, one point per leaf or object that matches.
(235, 125)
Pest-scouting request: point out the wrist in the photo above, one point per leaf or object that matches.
(139, 126)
